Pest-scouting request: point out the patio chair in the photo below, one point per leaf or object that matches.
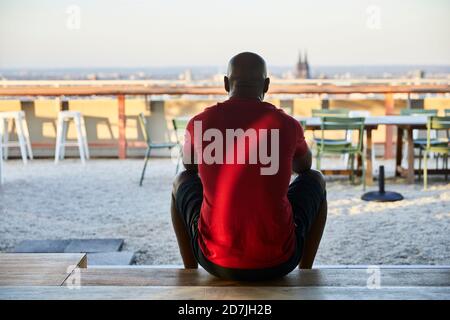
(362, 114)
(343, 124)
(442, 148)
(303, 124)
(419, 136)
(150, 145)
(332, 113)
(179, 126)
(418, 140)
(339, 112)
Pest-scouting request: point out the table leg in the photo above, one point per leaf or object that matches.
(399, 152)
(122, 150)
(410, 175)
(359, 161)
(369, 164)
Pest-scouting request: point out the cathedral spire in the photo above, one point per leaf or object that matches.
(303, 66)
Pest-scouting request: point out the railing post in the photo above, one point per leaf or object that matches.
(389, 110)
(122, 151)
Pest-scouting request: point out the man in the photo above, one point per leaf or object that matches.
(233, 209)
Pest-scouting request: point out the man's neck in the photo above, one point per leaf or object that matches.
(246, 97)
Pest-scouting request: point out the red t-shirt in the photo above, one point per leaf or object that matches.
(246, 220)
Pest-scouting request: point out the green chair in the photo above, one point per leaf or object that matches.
(343, 124)
(150, 145)
(447, 114)
(442, 148)
(419, 136)
(303, 124)
(418, 142)
(331, 113)
(179, 126)
(418, 112)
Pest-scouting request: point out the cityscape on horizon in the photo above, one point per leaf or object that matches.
(215, 73)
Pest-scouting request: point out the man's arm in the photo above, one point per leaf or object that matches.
(189, 156)
(302, 163)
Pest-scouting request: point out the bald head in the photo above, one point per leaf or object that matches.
(247, 76)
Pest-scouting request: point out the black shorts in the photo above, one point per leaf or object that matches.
(305, 195)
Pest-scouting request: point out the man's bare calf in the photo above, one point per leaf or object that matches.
(183, 238)
(314, 236)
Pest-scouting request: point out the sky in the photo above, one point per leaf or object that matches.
(161, 33)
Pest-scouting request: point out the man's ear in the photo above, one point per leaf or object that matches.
(226, 83)
(266, 84)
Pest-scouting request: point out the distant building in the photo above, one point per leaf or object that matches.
(92, 76)
(303, 71)
(186, 75)
(418, 74)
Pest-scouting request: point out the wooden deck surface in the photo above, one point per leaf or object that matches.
(224, 293)
(65, 276)
(45, 269)
(297, 278)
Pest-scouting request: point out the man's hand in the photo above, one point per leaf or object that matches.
(303, 163)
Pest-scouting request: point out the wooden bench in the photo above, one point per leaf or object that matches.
(67, 276)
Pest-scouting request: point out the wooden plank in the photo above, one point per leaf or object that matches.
(304, 278)
(38, 260)
(403, 172)
(225, 293)
(124, 89)
(319, 266)
(44, 278)
(23, 269)
(340, 172)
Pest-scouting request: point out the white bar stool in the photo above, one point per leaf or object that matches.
(18, 117)
(61, 132)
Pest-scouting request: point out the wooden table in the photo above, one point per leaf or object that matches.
(403, 123)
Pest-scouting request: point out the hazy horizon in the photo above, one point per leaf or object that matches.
(210, 72)
(218, 66)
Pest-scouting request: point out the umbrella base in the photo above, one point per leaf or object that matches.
(378, 196)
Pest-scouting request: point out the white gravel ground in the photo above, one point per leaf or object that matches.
(103, 199)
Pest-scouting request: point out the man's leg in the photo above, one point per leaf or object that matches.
(314, 235)
(312, 241)
(179, 226)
